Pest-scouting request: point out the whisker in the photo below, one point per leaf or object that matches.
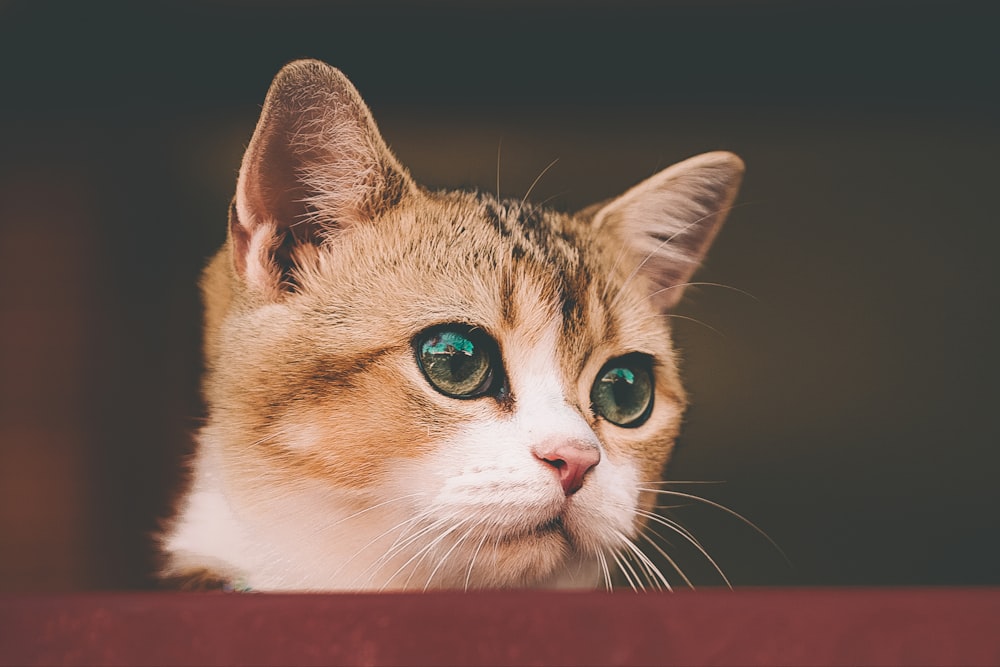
(499, 146)
(652, 572)
(425, 551)
(683, 532)
(373, 507)
(548, 199)
(604, 568)
(614, 267)
(674, 316)
(389, 553)
(658, 315)
(621, 568)
(727, 510)
(687, 534)
(667, 557)
(535, 182)
(421, 554)
(648, 570)
(687, 481)
(703, 284)
(627, 557)
(448, 553)
(404, 535)
(402, 541)
(385, 558)
(475, 555)
(375, 539)
(660, 247)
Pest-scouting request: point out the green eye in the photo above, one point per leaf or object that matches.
(457, 360)
(623, 391)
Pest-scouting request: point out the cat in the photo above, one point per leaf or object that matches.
(409, 389)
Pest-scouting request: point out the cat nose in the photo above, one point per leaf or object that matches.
(570, 460)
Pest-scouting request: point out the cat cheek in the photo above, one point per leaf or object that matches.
(357, 438)
(649, 446)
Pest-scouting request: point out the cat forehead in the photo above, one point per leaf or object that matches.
(503, 265)
(558, 266)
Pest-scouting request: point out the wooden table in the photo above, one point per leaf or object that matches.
(717, 627)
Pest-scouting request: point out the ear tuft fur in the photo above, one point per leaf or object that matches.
(668, 221)
(316, 164)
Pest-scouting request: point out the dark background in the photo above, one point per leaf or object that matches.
(848, 408)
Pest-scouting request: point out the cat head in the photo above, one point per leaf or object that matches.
(412, 388)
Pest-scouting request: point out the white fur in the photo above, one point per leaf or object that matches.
(483, 483)
(262, 274)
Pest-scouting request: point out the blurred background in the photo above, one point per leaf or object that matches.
(848, 408)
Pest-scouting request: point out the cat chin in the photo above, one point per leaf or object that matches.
(532, 560)
(543, 557)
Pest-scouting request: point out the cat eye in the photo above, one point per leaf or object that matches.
(623, 391)
(457, 360)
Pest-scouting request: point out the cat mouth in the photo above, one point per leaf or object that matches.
(542, 530)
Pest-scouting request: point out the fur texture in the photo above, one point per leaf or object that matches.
(329, 461)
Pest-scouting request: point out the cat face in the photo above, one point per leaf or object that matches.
(410, 389)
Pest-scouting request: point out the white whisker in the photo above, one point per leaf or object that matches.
(475, 555)
(373, 507)
(648, 564)
(550, 198)
(683, 532)
(667, 557)
(393, 552)
(377, 564)
(614, 267)
(604, 568)
(621, 568)
(675, 316)
(702, 284)
(422, 552)
(659, 315)
(402, 541)
(499, 146)
(660, 246)
(629, 555)
(448, 553)
(687, 481)
(676, 526)
(375, 539)
(727, 510)
(535, 182)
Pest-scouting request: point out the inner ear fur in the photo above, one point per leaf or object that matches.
(667, 222)
(316, 164)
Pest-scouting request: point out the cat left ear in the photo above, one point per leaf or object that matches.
(668, 221)
(316, 164)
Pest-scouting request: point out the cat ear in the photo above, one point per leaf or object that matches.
(668, 221)
(316, 164)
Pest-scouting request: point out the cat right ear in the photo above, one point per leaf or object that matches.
(316, 164)
(667, 222)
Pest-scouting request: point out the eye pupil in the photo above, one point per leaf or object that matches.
(623, 392)
(456, 361)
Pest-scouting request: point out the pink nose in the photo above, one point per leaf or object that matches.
(570, 460)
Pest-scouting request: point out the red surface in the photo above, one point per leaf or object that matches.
(751, 627)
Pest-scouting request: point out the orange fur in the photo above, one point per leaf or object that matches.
(336, 260)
